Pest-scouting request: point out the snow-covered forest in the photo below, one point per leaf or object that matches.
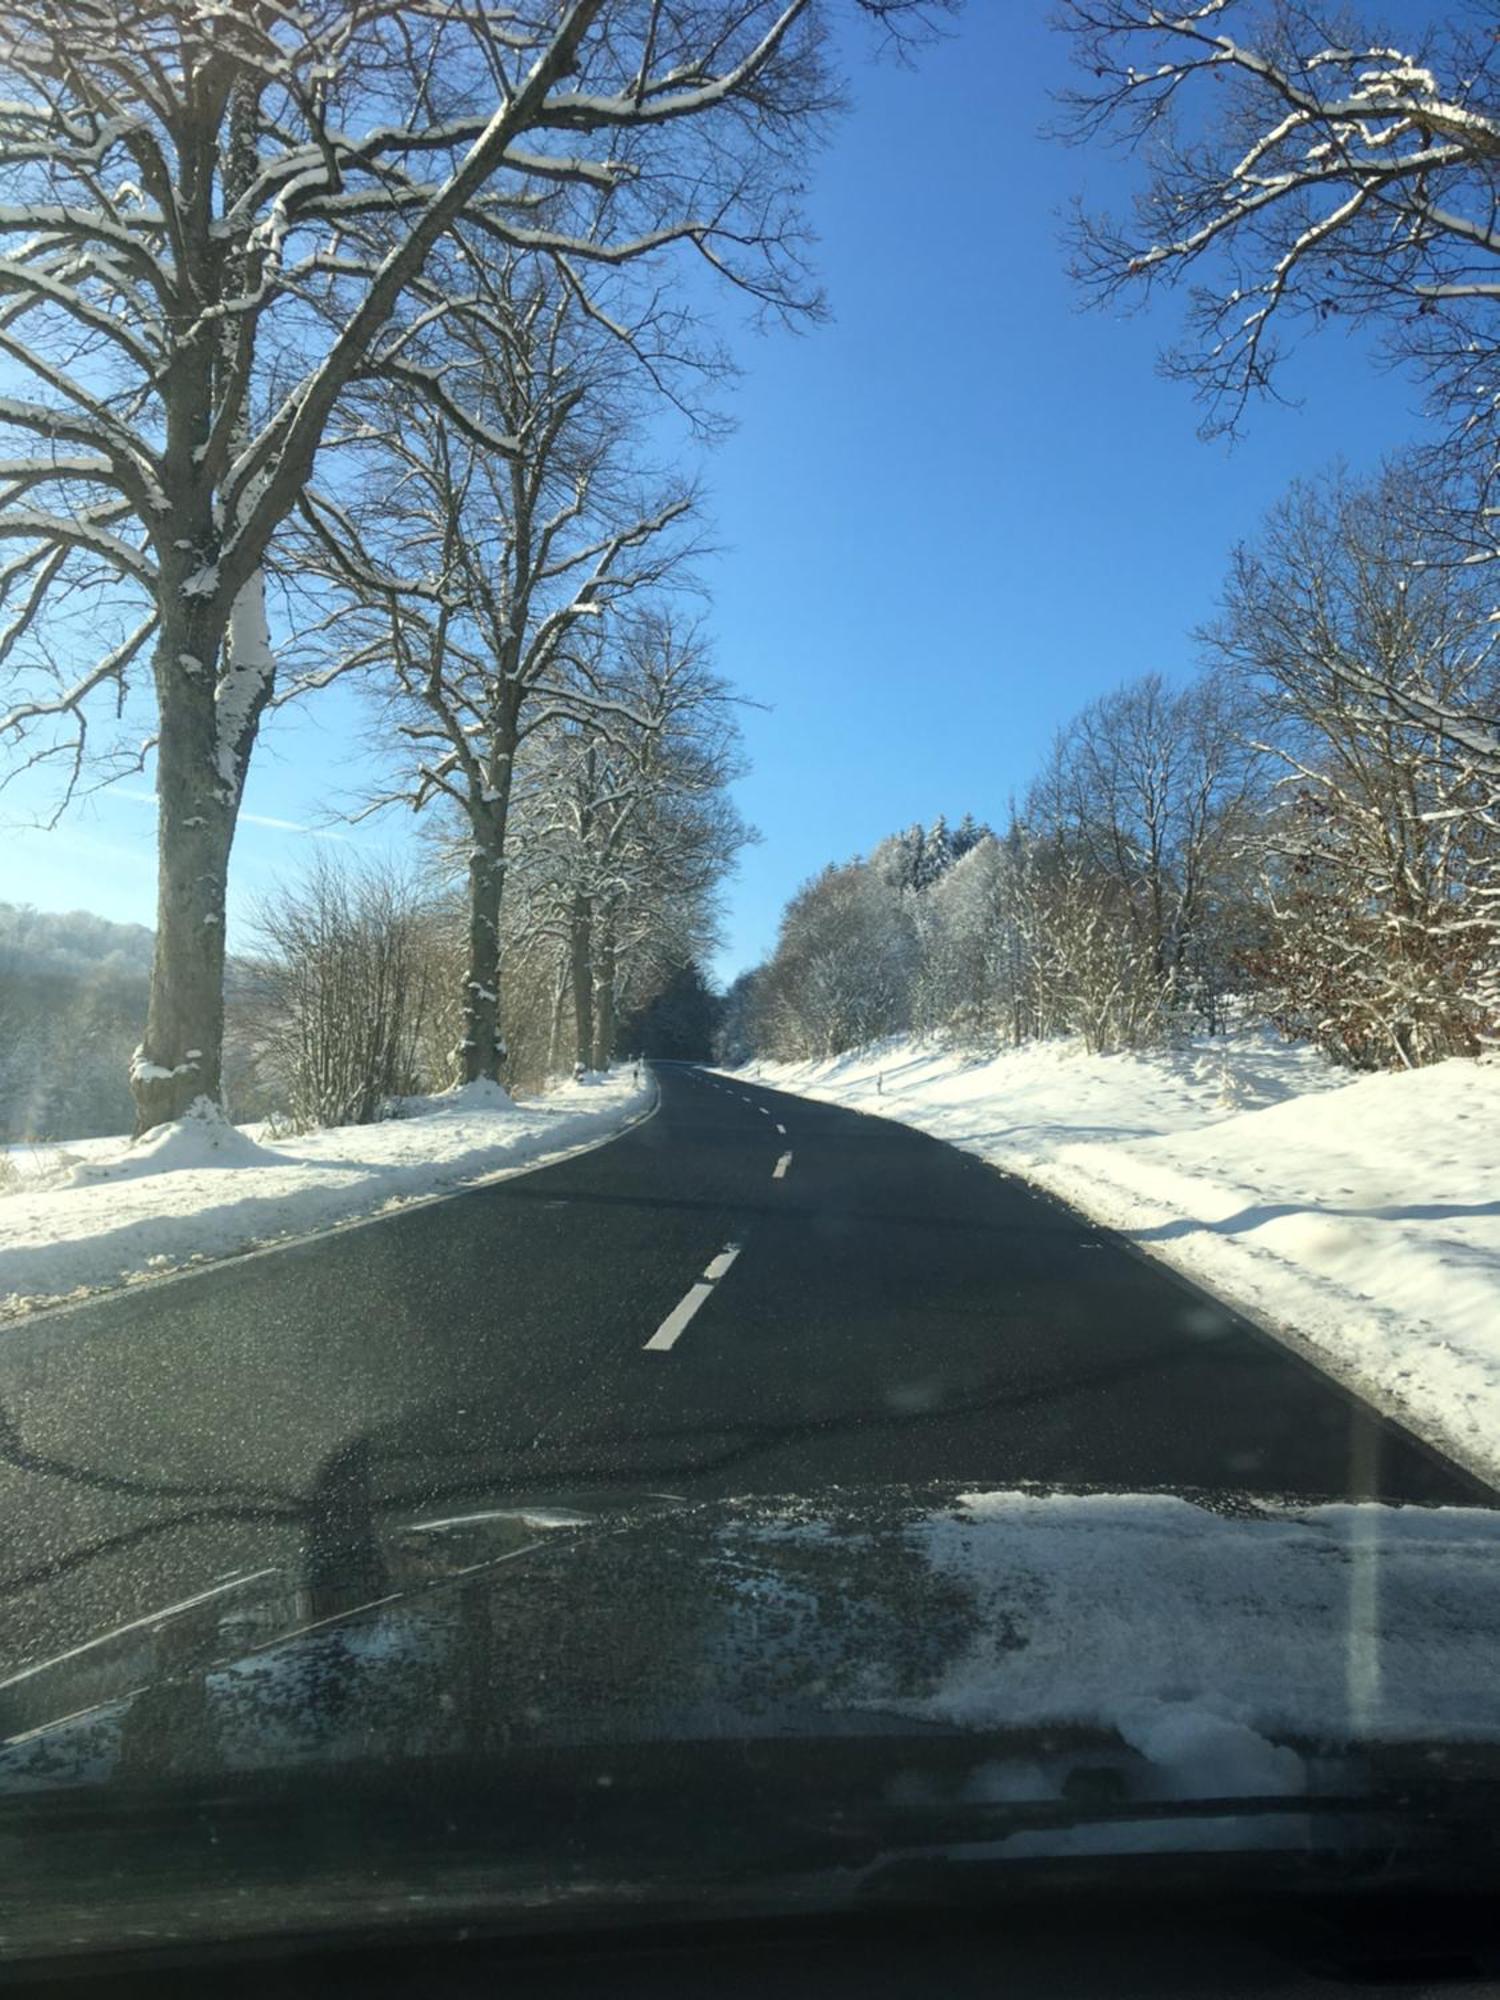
(1309, 829)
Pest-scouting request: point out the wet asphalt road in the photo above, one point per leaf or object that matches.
(896, 1311)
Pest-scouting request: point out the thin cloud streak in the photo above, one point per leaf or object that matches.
(250, 819)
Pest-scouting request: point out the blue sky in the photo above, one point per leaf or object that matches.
(947, 520)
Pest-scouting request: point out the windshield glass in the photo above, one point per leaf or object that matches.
(748, 1083)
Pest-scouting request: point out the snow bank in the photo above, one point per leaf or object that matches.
(482, 1094)
(107, 1213)
(203, 1139)
(1359, 1216)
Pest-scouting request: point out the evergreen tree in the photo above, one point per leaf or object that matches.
(967, 835)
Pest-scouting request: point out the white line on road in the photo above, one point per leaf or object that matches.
(778, 1172)
(748, 1099)
(675, 1324)
(782, 1130)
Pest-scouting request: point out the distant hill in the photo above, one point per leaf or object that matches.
(73, 991)
(74, 941)
(72, 1007)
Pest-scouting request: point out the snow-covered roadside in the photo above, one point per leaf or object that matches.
(1358, 1216)
(105, 1213)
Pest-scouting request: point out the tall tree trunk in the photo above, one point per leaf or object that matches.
(603, 1040)
(181, 1053)
(559, 1001)
(213, 672)
(482, 1050)
(581, 953)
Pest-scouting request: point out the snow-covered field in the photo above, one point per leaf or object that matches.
(101, 1213)
(1358, 1216)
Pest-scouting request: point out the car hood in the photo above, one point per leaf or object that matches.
(1225, 1643)
(623, 1708)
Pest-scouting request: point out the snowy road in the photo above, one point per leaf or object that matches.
(749, 1292)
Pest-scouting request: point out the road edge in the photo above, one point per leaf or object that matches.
(14, 1326)
(1452, 1453)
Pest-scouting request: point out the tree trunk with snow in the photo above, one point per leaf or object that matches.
(181, 1050)
(209, 719)
(482, 1052)
(559, 1002)
(581, 967)
(604, 1025)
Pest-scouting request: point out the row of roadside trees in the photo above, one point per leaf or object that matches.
(333, 340)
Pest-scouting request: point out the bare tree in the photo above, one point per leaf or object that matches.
(484, 580)
(219, 218)
(1153, 790)
(1376, 671)
(662, 910)
(627, 830)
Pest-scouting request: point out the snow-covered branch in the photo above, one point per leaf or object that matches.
(1295, 174)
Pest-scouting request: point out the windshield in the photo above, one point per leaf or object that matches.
(748, 1083)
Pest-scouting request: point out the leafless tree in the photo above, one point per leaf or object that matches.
(625, 831)
(218, 219)
(483, 582)
(1151, 791)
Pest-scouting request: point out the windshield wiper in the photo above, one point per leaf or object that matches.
(1439, 1833)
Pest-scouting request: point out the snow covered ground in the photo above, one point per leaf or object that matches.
(102, 1212)
(1358, 1216)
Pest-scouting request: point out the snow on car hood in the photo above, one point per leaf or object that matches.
(1224, 1640)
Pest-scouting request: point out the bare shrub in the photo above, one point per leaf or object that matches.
(342, 992)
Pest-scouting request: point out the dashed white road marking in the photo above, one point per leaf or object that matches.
(748, 1100)
(778, 1172)
(782, 1130)
(676, 1322)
